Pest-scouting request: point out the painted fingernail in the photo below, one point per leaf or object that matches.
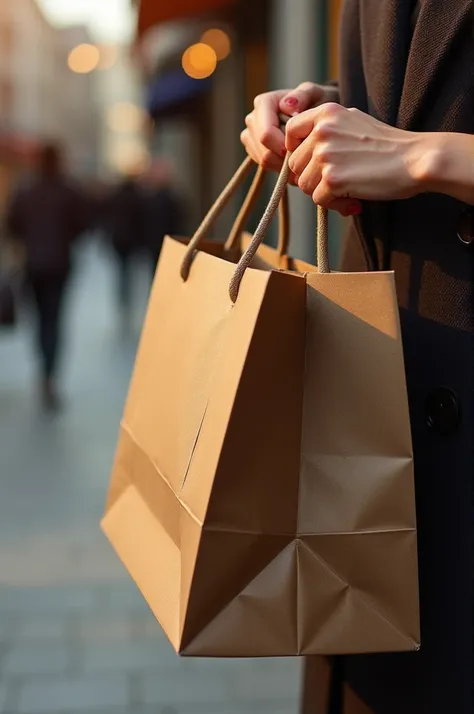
(291, 101)
(354, 209)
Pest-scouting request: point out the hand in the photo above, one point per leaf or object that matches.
(340, 152)
(263, 139)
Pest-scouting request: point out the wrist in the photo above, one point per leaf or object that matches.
(425, 159)
(444, 164)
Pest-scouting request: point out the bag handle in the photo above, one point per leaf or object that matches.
(233, 240)
(322, 243)
(214, 212)
(222, 201)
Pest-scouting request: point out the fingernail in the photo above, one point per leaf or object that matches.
(354, 209)
(291, 101)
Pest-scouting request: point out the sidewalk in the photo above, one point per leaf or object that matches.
(75, 635)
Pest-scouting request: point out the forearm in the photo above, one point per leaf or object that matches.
(446, 165)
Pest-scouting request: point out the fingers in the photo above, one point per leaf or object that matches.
(310, 177)
(323, 196)
(265, 124)
(249, 145)
(306, 95)
(263, 138)
(320, 121)
(299, 128)
(259, 154)
(300, 158)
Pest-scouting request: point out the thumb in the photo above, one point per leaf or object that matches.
(304, 97)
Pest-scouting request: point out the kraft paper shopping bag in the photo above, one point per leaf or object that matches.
(262, 493)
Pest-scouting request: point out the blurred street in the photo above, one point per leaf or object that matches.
(75, 636)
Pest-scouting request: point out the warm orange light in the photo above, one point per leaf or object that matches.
(125, 117)
(199, 61)
(84, 59)
(219, 41)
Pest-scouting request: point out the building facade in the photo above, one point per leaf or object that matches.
(40, 98)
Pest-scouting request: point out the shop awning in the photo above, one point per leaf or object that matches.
(154, 12)
(173, 89)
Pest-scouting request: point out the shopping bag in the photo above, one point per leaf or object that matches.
(262, 493)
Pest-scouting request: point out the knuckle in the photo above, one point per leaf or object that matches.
(292, 165)
(305, 186)
(333, 178)
(268, 159)
(324, 129)
(305, 86)
(332, 109)
(259, 99)
(322, 154)
(265, 138)
(290, 126)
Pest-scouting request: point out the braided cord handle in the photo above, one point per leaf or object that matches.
(322, 243)
(216, 209)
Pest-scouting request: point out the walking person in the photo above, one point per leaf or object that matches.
(397, 154)
(45, 217)
(164, 211)
(124, 226)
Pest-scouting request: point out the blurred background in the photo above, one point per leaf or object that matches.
(119, 122)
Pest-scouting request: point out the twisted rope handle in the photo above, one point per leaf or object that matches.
(214, 212)
(219, 205)
(248, 205)
(322, 243)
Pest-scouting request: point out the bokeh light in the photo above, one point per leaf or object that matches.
(125, 117)
(129, 156)
(84, 58)
(199, 61)
(219, 41)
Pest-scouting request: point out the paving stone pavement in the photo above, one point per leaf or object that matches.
(75, 635)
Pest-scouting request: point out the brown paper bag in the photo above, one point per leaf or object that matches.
(262, 491)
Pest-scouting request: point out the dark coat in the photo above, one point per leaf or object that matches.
(428, 86)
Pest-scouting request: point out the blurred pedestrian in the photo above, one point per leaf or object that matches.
(45, 217)
(393, 147)
(124, 225)
(164, 210)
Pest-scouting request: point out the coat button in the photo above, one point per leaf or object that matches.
(466, 227)
(443, 412)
